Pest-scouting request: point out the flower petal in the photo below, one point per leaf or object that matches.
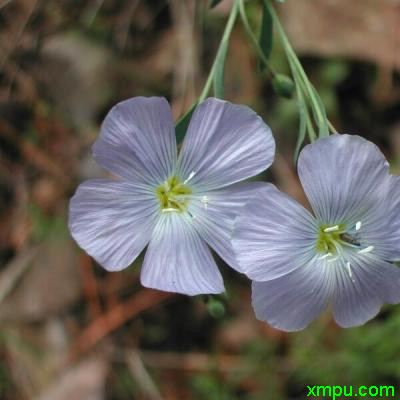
(137, 140)
(359, 296)
(392, 214)
(273, 235)
(112, 221)
(214, 216)
(342, 176)
(291, 302)
(178, 260)
(225, 143)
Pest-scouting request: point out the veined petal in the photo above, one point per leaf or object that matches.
(178, 260)
(225, 143)
(392, 213)
(291, 302)
(214, 215)
(273, 235)
(112, 221)
(360, 294)
(343, 176)
(137, 140)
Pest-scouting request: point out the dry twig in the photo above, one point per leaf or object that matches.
(116, 317)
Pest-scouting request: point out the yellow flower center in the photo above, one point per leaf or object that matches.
(173, 195)
(332, 236)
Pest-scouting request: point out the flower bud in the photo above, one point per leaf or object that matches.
(283, 85)
(216, 308)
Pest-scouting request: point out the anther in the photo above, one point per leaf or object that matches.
(331, 229)
(358, 225)
(366, 250)
(191, 175)
(165, 210)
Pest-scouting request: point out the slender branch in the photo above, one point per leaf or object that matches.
(253, 38)
(225, 38)
(301, 78)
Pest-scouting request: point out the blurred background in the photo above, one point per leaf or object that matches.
(68, 329)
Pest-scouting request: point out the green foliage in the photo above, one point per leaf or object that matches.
(283, 85)
(266, 36)
(309, 101)
(183, 124)
(44, 226)
(213, 3)
(124, 387)
(215, 307)
(312, 114)
(218, 79)
(209, 386)
(366, 355)
(215, 77)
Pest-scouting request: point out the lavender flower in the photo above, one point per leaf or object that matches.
(342, 255)
(175, 204)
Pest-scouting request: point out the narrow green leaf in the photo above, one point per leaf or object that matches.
(266, 35)
(219, 66)
(213, 3)
(302, 130)
(183, 123)
(323, 124)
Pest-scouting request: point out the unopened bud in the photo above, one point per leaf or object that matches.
(283, 85)
(216, 308)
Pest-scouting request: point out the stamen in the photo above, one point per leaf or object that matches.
(348, 265)
(358, 225)
(191, 175)
(205, 201)
(331, 229)
(332, 259)
(173, 195)
(325, 256)
(366, 250)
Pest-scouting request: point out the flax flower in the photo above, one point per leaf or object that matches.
(178, 205)
(341, 255)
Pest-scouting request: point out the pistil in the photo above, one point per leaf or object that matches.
(174, 195)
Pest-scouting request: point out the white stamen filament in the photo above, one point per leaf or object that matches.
(333, 259)
(205, 201)
(358, 225)
(366, 250)
(331, 229)
(165, 210)
(325, 256)
(348, 265)
(191, 175)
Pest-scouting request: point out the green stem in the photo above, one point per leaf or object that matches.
(225, 38)
(253, 38)
(302, 79)
(331, 127)
(292, 55)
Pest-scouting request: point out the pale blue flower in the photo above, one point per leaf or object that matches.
(178, 205)
(341, 255)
